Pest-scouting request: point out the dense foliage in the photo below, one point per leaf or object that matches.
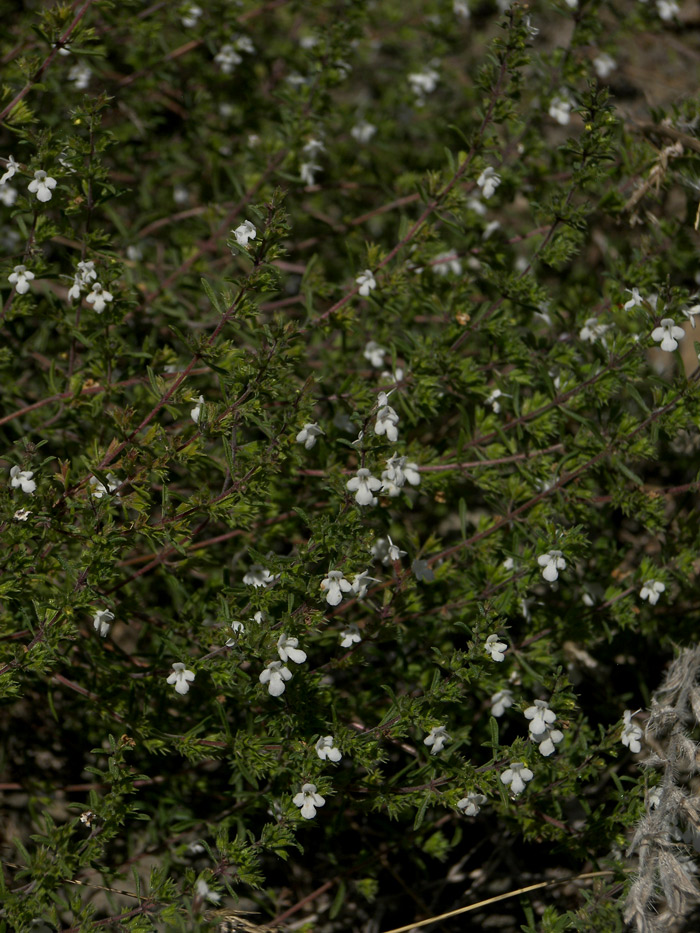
(349, 434)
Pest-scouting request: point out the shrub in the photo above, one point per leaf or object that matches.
(350, 432)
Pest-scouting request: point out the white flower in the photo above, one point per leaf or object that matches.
(631, 733)
(517, 776)
(423, 82)
(80, 74)
(259, 617)
(472, 803)
(667, 9)
(101, 621)
(307, 172)
(22, 478)
(474, 203)
(361, 583)
(196, 412)
(350, 636)
(205, 892)
(560, 109)
(237, 628)
(651, 590)
(533, 30)
(437, 738)
(397, 473)
(447, 262)
(492, 401)
(190, 15)
(374, 353)
(388, 376)
(181, 677)
(495, 648)
(21, 515)
(258, 576)
(363, 131)
(308, 800)
(367, 282)
(460, 8)
(8, 195)
(246, 231)
(382, 550)
(364, 485)
(42, 185)
(395, 553)
(335, 585)
(540, 716)
(689, 313)
(501, 701)
(592, 330)
(308, 434)
(387, 419)
(551, 562)
(635, 300)
(289, 650)
(547, 740)
(180, 194)
(488, 181)
(227, 58)
(275, 675)
(325, 749)
(508, 563)
(98, 297)
(10, 168)
(604, 64)
(668, 333)
(20, 277)
(99, 489)
(490, 228)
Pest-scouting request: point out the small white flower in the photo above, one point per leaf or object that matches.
(227, 58)
(308, 800)
(20, 277)
(474, 203)
(325, 749)
(398, 472)
(667, 9)
(540, 716)
(460, 8)
(508, 564)
(492, 401)
(21, 515)
(367, 282)
(196, 412)
(501, 701)
(592, 330)
(181, 677)
(246, 231)
(238, 628)
(335, 585)
(396, 376)
(361, 583)
(181, 195)
(98, 297)
(604, 64)
(259, 617)
(350, 636)
(22, 478)
(258, 576)
(488, 181)
(364, 485)
(471, 804)
(690, 314)
(654, 798)
(560, 109)
(307, 172)
(42, 185)
(651, 590)
(375, 354)
(423, 82)
(308, 434)
(80, 74)
(387, 419)
(447, 262)
(8, 195)
(381, 551)
(551, 562)
(547, 740)
(363, 131)
(634, 301)
(101, 621)
(490, 228)
(275, 675)
(495, 648)
(189, 15)
(10, 169)
(289, 650)
(99, 489)
(394, 551)
(517, 776)
(631, 733)
(668, 333)
(205, 892)
(437, 738)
